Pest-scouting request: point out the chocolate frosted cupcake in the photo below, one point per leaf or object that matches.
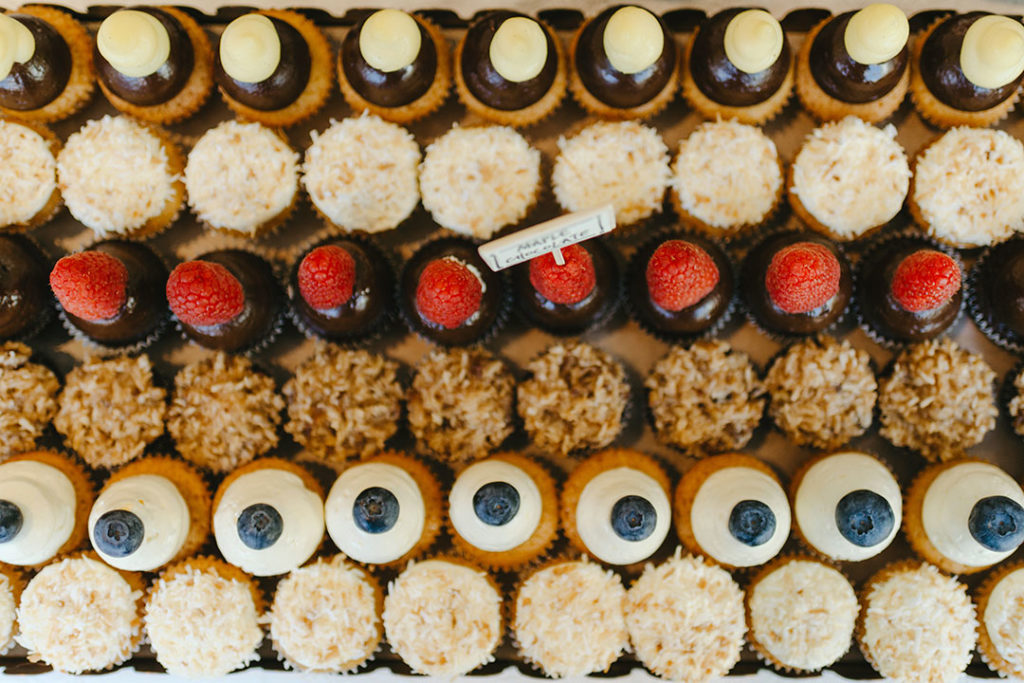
(28, 178)
(28, 399)
(26, 304)
(999, 601)
(995, 293)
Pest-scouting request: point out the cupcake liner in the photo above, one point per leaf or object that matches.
(978, 304)
(986, 648)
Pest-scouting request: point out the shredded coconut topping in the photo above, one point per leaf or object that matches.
(8, 613)
(1016, 405)
(28, 394)
(727, 174)
(919, 626)
(1004, 620)
(822, 392)
(79, 615)
(969, 186)
(361, 173)
(114, 175)
(938, 400)
(460, 403)
(110, 411)
(223, 412)
(28, 173)
(478, 180)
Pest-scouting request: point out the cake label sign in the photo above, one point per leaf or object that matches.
(549, 237)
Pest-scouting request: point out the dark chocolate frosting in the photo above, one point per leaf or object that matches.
(40, 80)
(605, 82)
(25, 299)
(484, 81)
(998, 290)
(283, 86)
(389, 88)
(843, 78)
(719, 79)
(164, 83)
(940, 68)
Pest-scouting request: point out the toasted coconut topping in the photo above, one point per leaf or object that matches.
(28, 399)
(1004, 620)
(28, 173)
(8, 613)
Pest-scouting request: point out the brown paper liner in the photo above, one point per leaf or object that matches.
(986, 648)
(813, 223)
(205, 564)
(193, 94)
(54, 203)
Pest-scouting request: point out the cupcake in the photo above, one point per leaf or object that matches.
(726, 177)
(477, 180)
(462, 608)
(615, 506)
(28, 178)
(150, 512)
(395, 65)
(79, 615)
(121, 178)
(802, 614)
(363, 174)
(203, 618)
(847, 506)
(510, 69)
(999, 602)
(624, 64)
(154, 63)
(575, 398)
(503, 511)
(49, 76)
(968, 69)
(738, 66)
(558, 603)
(937, 399)
(964, 515)
(343, 404)
(242, 179)
(855, 64)
(460, 403)
(325, 617)
(1012, 396)
(28, 399)
(685, 619)
(111, 295)
(273, 67)
(385, 510)
(625, 164)
(268, 517)
(227, 300)
(26, 303)
(732, 509)
(44, 507)
(968, 188)
(995, 289)
(866, 196)
(821, 392)
(12, 583)
(223, 412)
(110, 410)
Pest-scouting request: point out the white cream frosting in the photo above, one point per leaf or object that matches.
(519, 49)
(876, 33)
(17, 45)
(992, 51)
(302, 520)
(46, 498)
(753, 41)
(387, 546)
(485, 536)
(633, 39)
(250, 49)
(714, 502)
(389, 40)
(133, 42)
(824, 484)
(164, 514)
(948, 503)
(1004, 617)
(594, 515)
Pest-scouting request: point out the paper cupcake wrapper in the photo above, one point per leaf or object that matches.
(999, 334)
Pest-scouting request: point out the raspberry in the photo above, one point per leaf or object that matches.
(202, 293)
(327, 277)
(925, 279)
(90, 285)
(802, 277)
(679, 274)
(569, 283)
(448, 292)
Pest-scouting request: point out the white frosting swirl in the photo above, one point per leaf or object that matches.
(485, 536)
(714, 502)
(389, 545)
(46, 498)
(594, 515)
(824, 484)
(302, 521)
(164, 514)
(947, 507)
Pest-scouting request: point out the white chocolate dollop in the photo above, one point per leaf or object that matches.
(135, 43)
(490, 537)
(519, 49)
(164, 514)
(389, 40)
(250, 49)
(46, 498)
(992, 53)
(594, 515)
(753, 40)
(633, 39)
(876, 33)
(17, 45)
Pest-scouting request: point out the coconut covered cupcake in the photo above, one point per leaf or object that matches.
(1000, 614)
(28, 179)
(11, 585)
(28, 393)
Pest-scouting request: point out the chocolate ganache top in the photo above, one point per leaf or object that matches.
(844, 78)
(389, 88)
(40, 80)
(284, 85)
(25, 298)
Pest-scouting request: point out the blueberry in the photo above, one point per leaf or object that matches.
(259, 526)
(10, 521)
(118, 533)
(864, 518)
(751, 522)
(997, 523)
(496, 503)
(375, 510)
(633, 518)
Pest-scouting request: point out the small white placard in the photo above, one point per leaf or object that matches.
(547, 237)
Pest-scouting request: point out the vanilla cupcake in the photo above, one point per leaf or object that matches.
(28, 399)
(28, 177)
(1001, 611)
